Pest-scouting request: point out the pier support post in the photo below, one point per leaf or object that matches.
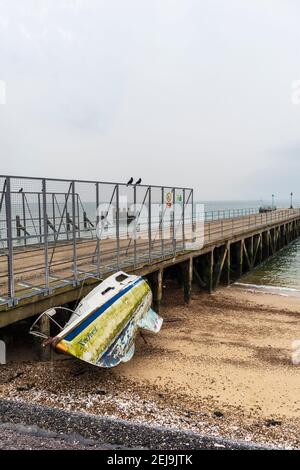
(251, 252)
(44, 354)
(199, 267)
(241, 257)
(228, 265)
(157, 289)
(265, 241)
(187, 279)
(277, 239)
(256, 249)
(282, 235)
(219, 265)
(271, 241)
(211, 272)
(261, 248)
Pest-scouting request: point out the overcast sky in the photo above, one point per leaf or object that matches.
(183, 92)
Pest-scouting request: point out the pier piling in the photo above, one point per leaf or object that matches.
(44, 353)
(187, 270)
(157, 289)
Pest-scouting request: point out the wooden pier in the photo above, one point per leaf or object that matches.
(42, 265)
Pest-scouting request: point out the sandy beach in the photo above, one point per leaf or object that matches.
(222, 366)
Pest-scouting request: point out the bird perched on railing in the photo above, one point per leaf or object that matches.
(21, 190)
(130, 181)
(139, 181)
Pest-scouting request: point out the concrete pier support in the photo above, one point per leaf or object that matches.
(157, 289)
(187, 269)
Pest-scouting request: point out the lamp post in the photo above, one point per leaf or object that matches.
(273, 201)
(291, 205)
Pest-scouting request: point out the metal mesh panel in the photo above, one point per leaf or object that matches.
(3, 245)
(55, 233)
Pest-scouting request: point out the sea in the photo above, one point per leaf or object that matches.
(280, 274)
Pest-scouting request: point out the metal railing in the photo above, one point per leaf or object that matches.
(228, 228)
(229, 213)
(55, 232)
(58, 232)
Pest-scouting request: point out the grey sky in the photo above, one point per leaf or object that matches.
(185, 92)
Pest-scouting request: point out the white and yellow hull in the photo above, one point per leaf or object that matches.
(105, 336)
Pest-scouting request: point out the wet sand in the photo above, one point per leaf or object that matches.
(222, 366)
(233, 346)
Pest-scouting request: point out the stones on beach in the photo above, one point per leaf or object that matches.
(25, 388)
(14, 377)
(218, 414)
(79, 372)
(272, 422)
(96, 394)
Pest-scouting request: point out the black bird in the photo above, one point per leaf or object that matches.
(130, 181)
(21, 190)
(139, 181)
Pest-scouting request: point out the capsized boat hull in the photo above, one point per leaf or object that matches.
(105, 337)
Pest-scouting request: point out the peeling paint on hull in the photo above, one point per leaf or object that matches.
(104, 336)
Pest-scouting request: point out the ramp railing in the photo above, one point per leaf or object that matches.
(55, 232)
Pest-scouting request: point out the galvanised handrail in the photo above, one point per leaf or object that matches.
(65, 180)
(229, 213)
(226, 228)
(59, 232)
